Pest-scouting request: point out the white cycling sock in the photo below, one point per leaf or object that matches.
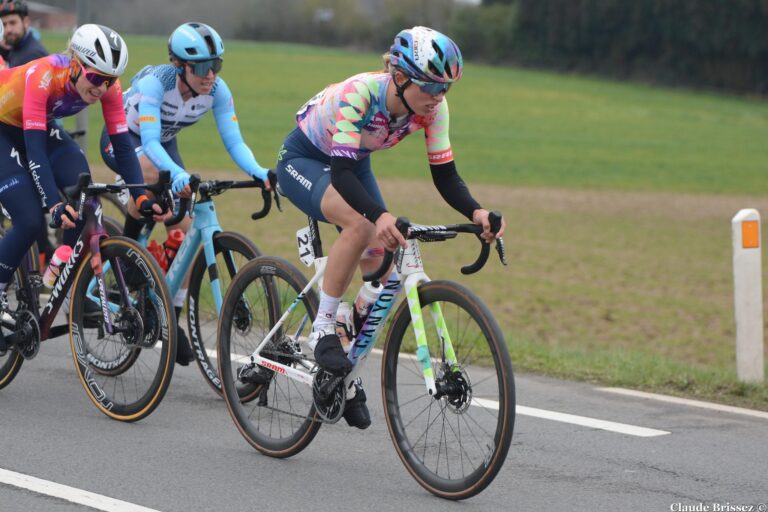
(326, 314)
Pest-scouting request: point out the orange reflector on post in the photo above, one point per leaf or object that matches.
(750, 234)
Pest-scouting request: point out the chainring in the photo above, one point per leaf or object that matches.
(329, 396)
(29, 346)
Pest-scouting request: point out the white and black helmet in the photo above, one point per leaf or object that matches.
(101, 48)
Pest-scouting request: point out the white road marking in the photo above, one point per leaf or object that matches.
(610, 426)
(688, 402)
(72, 494)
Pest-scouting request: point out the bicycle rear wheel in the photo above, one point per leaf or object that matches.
(125, 373)
(10, 363)
(273, 412)
(233, 251)
(454, 444)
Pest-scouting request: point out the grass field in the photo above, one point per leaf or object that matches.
(618, 198)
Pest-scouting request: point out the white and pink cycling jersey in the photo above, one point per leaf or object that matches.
(350, 119)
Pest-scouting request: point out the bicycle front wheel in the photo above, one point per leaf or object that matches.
(273, 412)
(127, 372)
(455, 442)
(232, 251)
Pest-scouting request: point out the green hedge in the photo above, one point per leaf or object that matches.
(704, 43)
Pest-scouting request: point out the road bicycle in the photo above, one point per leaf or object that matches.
(130, 320)
(212, 257)
(446, 377)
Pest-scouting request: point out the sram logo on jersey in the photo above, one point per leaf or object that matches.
(441, 157)
(304, 182)
(147, 119)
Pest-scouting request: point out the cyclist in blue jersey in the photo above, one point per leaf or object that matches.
(324, 168)
(165, 98)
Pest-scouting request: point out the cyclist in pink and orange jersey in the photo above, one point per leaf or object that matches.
(37, 157)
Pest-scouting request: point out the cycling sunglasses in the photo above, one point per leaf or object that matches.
(432, 88)
(202, 67)
(96, 78)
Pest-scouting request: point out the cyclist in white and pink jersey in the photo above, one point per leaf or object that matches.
(324, 169)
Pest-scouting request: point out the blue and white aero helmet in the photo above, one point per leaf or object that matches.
(101, 48)
(427, 55)
(195, 41)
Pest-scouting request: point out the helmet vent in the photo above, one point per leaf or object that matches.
(404, 42)
(438, 50)
(100, 50)
(115, 57)
(434, 69)
(191, 50)
(211, 45)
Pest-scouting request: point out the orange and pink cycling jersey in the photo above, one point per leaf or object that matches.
(350, 119)
(34, 94)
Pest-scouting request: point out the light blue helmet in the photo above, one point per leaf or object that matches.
(427, 55)
(195, 41)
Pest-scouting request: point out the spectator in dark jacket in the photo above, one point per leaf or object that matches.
(19, 45)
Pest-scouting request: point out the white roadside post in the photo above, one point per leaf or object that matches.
(748, 296)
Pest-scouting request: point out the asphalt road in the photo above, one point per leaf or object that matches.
(188, 455)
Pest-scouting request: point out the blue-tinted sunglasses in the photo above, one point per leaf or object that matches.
(202, 67)
(432, 88)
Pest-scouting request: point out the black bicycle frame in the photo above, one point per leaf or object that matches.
(87, 246)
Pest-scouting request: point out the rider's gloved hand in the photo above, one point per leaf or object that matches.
(149, 208)
(480, 217)
(180, 184)
(260, 173)
(63, 216)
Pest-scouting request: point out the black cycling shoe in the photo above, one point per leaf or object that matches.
(184, 354)
(330, 355)
(356, 412)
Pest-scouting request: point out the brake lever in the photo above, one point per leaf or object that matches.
(502, 251)
(272, 177)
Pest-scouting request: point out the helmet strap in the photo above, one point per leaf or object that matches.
(183, 75)
(400, 92)
(74, 74)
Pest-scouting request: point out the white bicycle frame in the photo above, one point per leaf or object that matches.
(408, 265)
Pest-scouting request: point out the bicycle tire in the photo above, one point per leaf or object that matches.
(476, 339)
(10, 363)
(202, 316)
(263, 422)
(134, 390)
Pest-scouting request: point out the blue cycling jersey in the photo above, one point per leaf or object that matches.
(156, 112)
